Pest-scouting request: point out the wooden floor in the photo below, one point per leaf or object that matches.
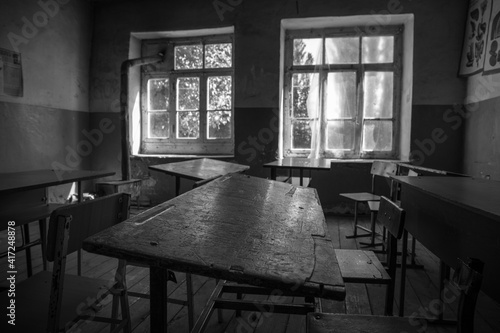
(421, 293)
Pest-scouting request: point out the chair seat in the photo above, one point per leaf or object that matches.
(358, 266)
(32, 300)
(343, 323)
(361, 196)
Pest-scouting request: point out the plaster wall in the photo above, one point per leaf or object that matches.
(438, 37)
(43, 129)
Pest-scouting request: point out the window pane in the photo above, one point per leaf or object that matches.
(343, 50)
(340, 135)
(305, 95)
(219, 124)
(158, 125)
(219, 93)
(158, 94)
(341, 95)
(188, 57)
(301, 135)
(377, 50)
(188, 125)
(308, 51)
(377, 135)
(218, 55)
(188, 93)
(378, 94)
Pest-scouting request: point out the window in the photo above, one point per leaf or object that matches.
(342, 92)
(187, 101)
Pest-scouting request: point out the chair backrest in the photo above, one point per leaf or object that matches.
(391, 216)
(383, 169)
(68, 227)
(86, 219)
(467, 280)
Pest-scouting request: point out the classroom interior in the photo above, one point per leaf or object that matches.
(81, 106)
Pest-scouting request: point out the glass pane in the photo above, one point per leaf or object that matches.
(188, 57)
(378, 94)
(340, 135)
(301, 134)
(308, 51)
(305, 95)
(219, 124)
(188, 125)
(188, 93)
(341, 95)
(342, 50)
(378, 50)
(218, 55)
(377, 135)
(158, 94)
(219, 93)
(158, 125)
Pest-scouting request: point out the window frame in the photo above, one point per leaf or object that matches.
(396, 67)
(184, 146)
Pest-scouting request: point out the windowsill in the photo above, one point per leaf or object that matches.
(180, 156)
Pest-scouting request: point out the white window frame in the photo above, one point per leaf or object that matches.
(183, 146)
(371, 24)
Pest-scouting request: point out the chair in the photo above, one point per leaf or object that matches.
(360, 266)
(380, 169)
(466, 283)
(52, 301)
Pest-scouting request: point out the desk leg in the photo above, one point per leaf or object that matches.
(273, 173)
(403, 274)
(301, 171)
(27, 240)
(158, 306)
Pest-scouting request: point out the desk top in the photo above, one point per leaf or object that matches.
(28, 180)
(199, 169)
(479, 195)
(239, 228)
(301, 163)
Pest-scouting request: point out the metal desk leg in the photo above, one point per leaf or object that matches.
(403, 275)
(273, 173)
(158, 304)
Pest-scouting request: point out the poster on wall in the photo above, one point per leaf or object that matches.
(11, 73)
(476, 34)
(492, 62)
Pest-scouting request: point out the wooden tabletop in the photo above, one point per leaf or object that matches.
(199, 169)
(238, 228)
(479, 195)
(27, 180)
(301, 163)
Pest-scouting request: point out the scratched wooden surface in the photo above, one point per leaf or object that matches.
(239, 228)
(199, 169)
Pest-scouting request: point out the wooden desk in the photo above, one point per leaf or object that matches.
(299, 163)
(199, 169)
(456, 217)
(237, 228)
(23, 199)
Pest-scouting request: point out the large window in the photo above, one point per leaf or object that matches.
(342, 92)
(187, 101)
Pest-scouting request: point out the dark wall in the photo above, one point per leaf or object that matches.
(438, 38)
